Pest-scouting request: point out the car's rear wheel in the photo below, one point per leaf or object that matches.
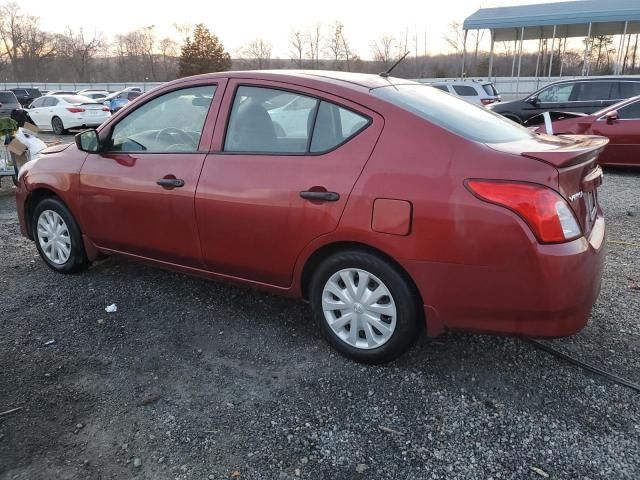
(57, 237)
(58, 126)
(366, 308)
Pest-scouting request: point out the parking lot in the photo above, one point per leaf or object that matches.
(192, 379)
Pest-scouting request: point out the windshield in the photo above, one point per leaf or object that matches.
(460, 117)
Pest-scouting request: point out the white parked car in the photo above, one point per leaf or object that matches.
(477, 92)
(62, 112)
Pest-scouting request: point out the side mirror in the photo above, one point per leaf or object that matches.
(533, 100)
(88, 141)
(611, 116)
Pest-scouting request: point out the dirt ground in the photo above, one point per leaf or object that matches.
(192, 379)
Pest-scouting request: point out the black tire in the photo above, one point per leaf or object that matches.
(77, 260)
(408, 317)
(513, 117)
(58, 126)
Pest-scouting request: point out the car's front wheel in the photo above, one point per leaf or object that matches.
(367, 309)
(57, 237)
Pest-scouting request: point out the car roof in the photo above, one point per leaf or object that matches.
(596, 79)
(366, 81)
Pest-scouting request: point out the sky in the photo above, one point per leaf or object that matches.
(238, 22)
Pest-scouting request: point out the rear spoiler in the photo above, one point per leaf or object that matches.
(582, 148)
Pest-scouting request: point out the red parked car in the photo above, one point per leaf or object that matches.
(620, 123)
(389, 205)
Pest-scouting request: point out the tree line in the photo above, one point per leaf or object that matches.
(28, 53)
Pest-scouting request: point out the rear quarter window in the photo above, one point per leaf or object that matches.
(453, 114)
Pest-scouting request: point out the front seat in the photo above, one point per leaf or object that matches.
(252, 130)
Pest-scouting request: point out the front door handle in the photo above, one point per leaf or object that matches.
(320, 196)
(171, 182)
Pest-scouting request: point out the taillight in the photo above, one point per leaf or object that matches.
(106, 109)
(75, 109)
(488, 101)
(543, 209)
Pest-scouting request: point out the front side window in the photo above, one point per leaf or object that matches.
(465, 90)
(452, 113)
(266, 120)
(172, 122)
(556, 93)
(630, 112)
(37, 103)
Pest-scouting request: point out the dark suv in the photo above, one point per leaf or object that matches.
(26, 95)
(585, 95)
(8, 103)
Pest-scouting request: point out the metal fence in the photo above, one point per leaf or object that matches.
(507, 86)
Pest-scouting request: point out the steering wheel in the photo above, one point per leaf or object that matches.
(169, 132)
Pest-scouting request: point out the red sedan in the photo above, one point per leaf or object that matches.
(620, 123)
(389, 205)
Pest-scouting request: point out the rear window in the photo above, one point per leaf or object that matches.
(460, 117)
(490, 89)
(8, 97)
(76, 99)
(465, 91)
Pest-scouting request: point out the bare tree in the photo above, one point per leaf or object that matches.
(454, 36)
(335, 44)
(79, 50)
(169, 53)
(257, 53)
(298, 44)
(314, 38)
(383, 49)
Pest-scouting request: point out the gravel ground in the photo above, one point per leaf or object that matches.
(197, 380)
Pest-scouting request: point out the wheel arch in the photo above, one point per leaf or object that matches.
(35, 197)
(325, 251)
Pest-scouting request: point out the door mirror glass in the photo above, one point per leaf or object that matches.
(533, 100)
(88, 141)
(611, 116)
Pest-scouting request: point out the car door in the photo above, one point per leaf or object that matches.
(49, 110)
(590, 96)
(264, 194)
(36, 110)
(623, 134)
(137, 194)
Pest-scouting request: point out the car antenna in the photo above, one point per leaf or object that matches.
(386, 73)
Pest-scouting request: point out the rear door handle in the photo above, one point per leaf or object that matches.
(321, 196)
(171, 182)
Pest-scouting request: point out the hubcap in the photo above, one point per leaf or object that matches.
(359, 308)
(53, 236)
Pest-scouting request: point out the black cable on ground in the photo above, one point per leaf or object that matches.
(609, 376)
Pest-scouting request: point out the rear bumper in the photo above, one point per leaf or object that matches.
(549, 294)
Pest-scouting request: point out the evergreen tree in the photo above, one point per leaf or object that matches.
(203, 54)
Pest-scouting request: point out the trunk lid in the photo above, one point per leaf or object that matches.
(575, 158)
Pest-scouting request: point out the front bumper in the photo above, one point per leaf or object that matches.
(549, 294)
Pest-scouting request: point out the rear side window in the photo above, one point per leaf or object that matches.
(556, 93)
(630, 112)
(452, 113)
(334, 125)
(267, 120)
(585, 91)
(465, 91)
(626, 90)
(490, 89)
(50, 102)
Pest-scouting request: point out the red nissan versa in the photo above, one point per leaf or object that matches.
(620, 123)
(387, 204)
